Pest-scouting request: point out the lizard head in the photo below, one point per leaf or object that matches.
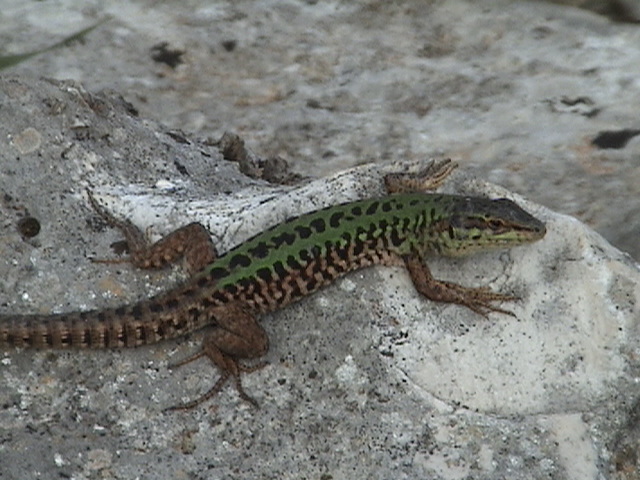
(478, 224)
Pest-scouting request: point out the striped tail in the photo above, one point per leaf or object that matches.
(147, 322)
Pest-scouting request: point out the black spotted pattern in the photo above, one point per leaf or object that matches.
(280, 270)
(286, 238)
(218, 273)
(292, 263)
(260, 251)
(265, 274)
(239, 260)
(396, 240)
(303, 232)
(373, 208)
(334, 220)
(318, 225)
(304, 255)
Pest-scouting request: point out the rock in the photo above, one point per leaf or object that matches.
(365, 376)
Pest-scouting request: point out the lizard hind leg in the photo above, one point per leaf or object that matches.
(237, 335)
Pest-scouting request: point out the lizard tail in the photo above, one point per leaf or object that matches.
(127, 326)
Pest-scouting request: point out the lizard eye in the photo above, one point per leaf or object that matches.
(495, 224)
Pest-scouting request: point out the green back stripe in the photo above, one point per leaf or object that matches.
(337, 225)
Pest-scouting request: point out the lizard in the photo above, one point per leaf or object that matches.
(284, 264)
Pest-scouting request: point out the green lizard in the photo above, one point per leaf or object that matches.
(282, 265)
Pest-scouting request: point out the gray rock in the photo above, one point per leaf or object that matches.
(365, 379)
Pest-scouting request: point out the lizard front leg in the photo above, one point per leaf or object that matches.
(191, 242)
(477, 299)
(237, 335)
(428, 178)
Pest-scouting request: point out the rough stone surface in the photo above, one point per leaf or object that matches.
(365, 379)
